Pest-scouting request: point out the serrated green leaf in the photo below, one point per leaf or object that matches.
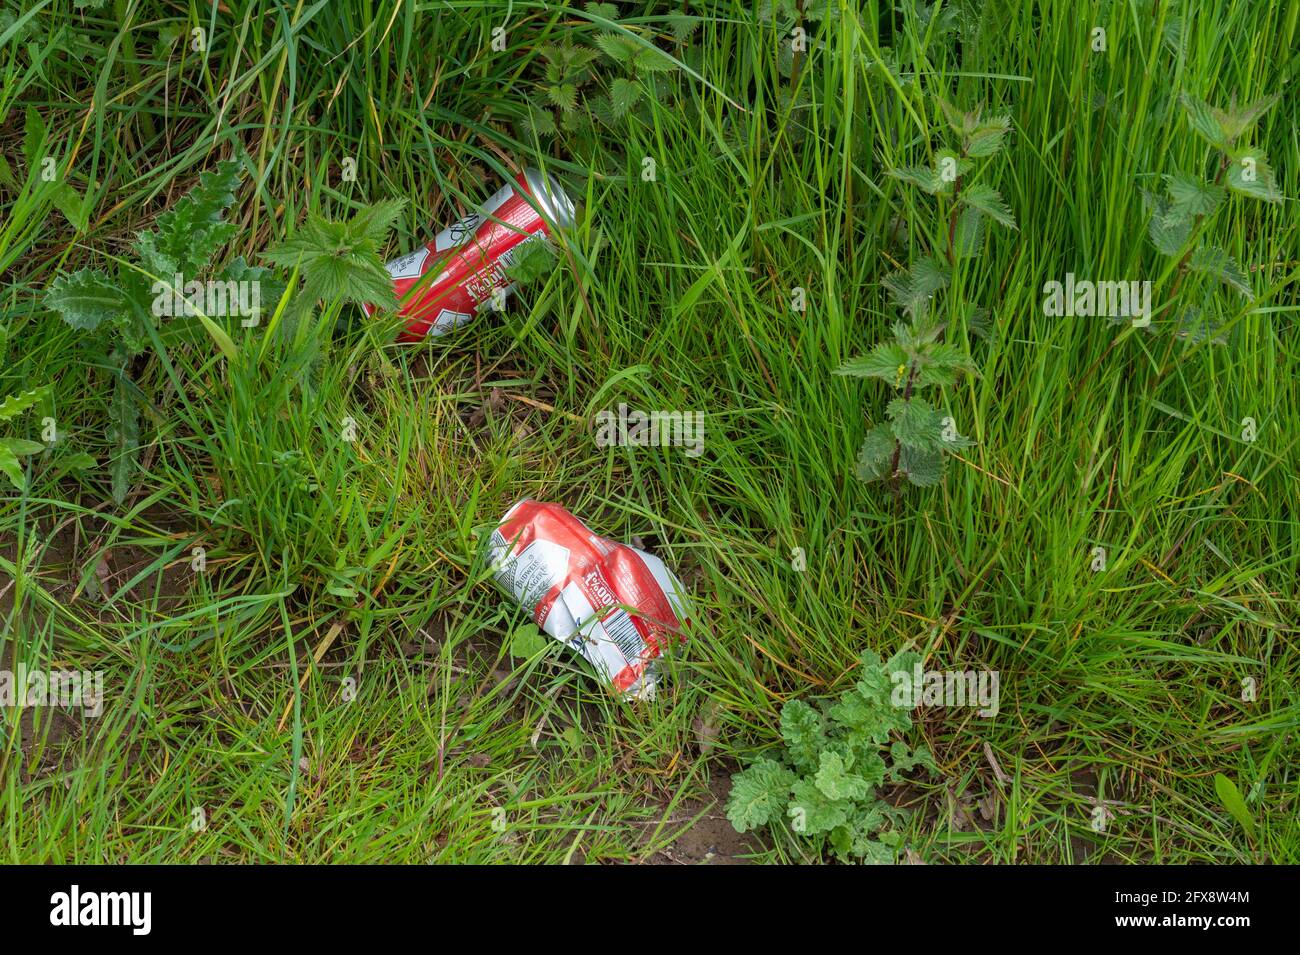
(620, 49)
(911, 290)
(968, 236)
(985, 137)
(883, 362)
(185, 237)
(1236, 120)
(85, 299)
(1168, 230)
(1213, 260)
(940, 362)
(563, 95)
(916, 423)
(1190, 197)
(988, 201)
(875, 455)
(623, 95)
(649, 59)
(757, 794)
(1202, 120)
(923, 468)
(928, 180)
(1250, 174)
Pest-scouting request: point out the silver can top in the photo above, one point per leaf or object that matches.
(557, 207)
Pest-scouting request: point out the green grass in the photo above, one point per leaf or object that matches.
(225, 690)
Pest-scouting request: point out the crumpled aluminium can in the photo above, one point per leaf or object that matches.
(616, 605)
(443, 284)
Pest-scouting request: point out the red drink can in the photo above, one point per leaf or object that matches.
(443, 284)
(616, 605)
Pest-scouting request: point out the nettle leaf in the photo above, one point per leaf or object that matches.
(887, 361)
(563, 95)
(541, 121)
(532, 259)
(1198, 325)
(649, 59)
(968, 236)
(988, 201)
(375, 221)
(605, 10)
(623, 95)
(340, 260)
(85, 298)
(980, 323)
(1250, 174)
(758, 793)
(811, 811)
(836, 782)
(1191, 197)
(956, 119)
(618, 48)
(916, 423)
(986, 137)
(1169, 230)
(923, 468)
(683, 26)
(1214, 261)
(928, 180)
(803, 730)
(1236, 120)
(876, 453)
(940, 363)
(911, 290)
(1202, 120)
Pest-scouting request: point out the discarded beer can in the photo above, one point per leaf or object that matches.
(616, 605)
(443, 284)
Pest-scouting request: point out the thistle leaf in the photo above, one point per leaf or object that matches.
(85, 298)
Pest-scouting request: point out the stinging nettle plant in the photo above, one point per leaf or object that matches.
(823, 781)
(1181, 217)
(915, 438)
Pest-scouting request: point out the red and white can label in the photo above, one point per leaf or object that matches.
(445, 283)
(614, 604)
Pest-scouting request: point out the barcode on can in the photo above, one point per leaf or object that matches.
(622, 630)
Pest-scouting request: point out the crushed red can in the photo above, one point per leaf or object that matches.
(616, 605)
(443, 284)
